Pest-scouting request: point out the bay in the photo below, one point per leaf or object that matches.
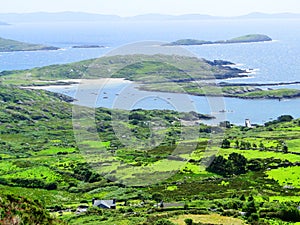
(275, 61)
(126, 95)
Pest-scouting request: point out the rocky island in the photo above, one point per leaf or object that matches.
(88, 46)
(8, 45)
(242, 39)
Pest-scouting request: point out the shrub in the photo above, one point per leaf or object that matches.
(188, 221)
(253, 217)
(186, 206)
(157, 196)
(291, 214)
(164, 222)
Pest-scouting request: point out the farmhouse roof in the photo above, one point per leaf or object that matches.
(106, 204)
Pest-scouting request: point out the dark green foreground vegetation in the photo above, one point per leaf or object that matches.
(253, 179)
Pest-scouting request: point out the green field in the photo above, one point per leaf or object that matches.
(206, 173)
(286, 176)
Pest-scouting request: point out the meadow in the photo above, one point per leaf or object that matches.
(231, 173)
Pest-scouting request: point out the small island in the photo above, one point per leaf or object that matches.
(242, 39)
(88, 46)
(8, 45)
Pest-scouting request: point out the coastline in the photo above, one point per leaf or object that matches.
(68, 83)
(110, 82)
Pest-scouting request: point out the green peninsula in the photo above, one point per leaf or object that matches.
(242, 39)
(144, 69)
(164, 73)
(8, 45)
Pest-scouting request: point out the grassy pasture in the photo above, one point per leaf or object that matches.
(286, 176)
(211, 219)
(253, 154)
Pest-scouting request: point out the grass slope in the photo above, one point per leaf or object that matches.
(41, 160)
(242, 39)
(8, 45)
(155, 73)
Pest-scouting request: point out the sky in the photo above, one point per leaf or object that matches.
(137, 7)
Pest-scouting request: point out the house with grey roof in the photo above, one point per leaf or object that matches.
(104, 204)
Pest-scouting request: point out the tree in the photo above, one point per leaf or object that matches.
(237, 143)
(254, 165)
(285, 148)
(158, 197)
(164, 222)
(235, 164)
(243, 198)
(188, 221)
(285, 118)
(245, 145)
(218, 166)
(242, 145)
(239, 163)
(291, 214)
(261, 146)
(250, 208)
(225, 124)
(225, 143)
(250, 198)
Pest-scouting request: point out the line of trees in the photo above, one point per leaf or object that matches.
(245, 145)
(235, 164)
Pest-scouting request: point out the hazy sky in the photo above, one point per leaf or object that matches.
(136, 7)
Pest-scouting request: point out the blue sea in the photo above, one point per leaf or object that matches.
(276, 61)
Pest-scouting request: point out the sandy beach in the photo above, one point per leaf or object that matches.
(101, 82)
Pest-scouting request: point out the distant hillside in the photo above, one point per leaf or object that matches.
(258, 15)
(159, 17)
(8, 45)
(41, 17)
(242, 39)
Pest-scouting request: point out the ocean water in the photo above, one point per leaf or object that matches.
(275, 61)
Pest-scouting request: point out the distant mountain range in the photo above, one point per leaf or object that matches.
(257, 15)
(3, 23)
(80, 16)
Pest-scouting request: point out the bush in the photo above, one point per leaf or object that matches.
(225, 143)
(164, 222)
(20, 210)
(285, 118)
(51, 186)
(186, 206)
(94, 211)
(253, 217)
(188, 221)
(291, 214)
(157, 196)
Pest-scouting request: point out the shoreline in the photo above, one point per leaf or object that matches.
(102, 82)
(68, 83)
(267, 97)
(227, 84)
